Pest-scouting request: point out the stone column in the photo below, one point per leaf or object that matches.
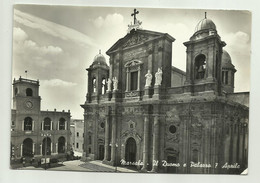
(106, 138)
(58, 128)
(42, 125)
(23, 126)
(145, 144)
(51, 125)
(40, 149)
(139, 78)
(65, 125)
(156, 128)
(51, 147)
(113, 142)
(21, 149)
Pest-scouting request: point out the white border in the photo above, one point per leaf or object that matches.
(7, 175)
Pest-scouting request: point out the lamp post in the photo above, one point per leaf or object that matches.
(116, 158)
(45, 135)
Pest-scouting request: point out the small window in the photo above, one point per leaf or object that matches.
(102, 125)
(82, 134)
(15, 91)
(77, 146)
(77, 134)
(29, 92)
(89, 150)
(172, 129)
(12, 123)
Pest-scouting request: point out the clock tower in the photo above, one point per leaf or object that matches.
(26, 97)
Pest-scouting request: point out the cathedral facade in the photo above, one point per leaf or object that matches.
(141, 111)
(36, 133)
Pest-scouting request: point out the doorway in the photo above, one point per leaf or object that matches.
(130, 151)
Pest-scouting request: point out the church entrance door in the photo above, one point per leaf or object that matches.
(101, 152)
(130, 151)
(27, 147)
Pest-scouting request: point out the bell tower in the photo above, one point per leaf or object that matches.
(98, 73)
(204, 53)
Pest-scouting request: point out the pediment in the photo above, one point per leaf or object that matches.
(136, 37)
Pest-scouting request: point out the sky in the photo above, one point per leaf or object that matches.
(56, 44)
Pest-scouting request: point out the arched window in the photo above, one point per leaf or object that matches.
(94, 85)
(200, 66)
(103, 86)
(47, 124)
(28, 123)
(62, 124)
(29, 92)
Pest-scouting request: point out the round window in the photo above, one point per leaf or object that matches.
(172, 129)
(102, 125)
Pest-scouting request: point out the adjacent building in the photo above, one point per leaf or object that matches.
(77, 136)
(35, 132)
(143, 112)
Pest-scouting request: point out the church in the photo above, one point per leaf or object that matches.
(142, 112)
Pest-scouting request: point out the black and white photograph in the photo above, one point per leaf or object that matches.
(130, 90)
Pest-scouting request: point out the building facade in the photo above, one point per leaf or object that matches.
(77, 136)
(141, 111)
(35, 132)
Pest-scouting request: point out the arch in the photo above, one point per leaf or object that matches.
(47, 123)
(134, 135)
(130, 150)
(28, 147)
(46, 146)
(104, 86)
(94, 84)
(61, 145)
(28, 124)
(29, 92)
(200, 66)
(62, 123)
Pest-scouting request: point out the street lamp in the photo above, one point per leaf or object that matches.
(45, 135)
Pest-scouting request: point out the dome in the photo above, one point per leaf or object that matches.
(226, 60)
(205, 24)
(99, 60)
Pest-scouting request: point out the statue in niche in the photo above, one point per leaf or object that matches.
(149, 78)
(109, 84)
(158, 77)
(115, 84)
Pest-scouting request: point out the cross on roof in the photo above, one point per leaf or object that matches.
(134, 14)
